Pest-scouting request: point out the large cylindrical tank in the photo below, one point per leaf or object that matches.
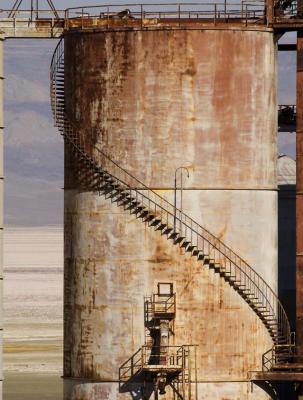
(156, 100)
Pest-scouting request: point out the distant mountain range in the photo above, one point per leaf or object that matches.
(33, 149)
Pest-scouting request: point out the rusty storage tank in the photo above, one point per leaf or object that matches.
(155, 99)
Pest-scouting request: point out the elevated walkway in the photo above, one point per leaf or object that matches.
(24, 28)
(25, 19)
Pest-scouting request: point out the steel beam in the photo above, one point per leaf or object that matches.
(299, 194)
(1, 204)
(287, 47)
(299, 199)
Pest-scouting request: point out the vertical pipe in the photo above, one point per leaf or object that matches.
(175, 201)
(1, 202)
(269, 12)
(32, 10)
(299, 196)
(299, 201)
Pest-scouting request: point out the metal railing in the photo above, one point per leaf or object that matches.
(286, 8)
(169, 357)
(248, 11)
(32, 23)
(281, 355)
(32, 15)
(151, 14)
(159, 304)
(286, 11)
(253, 287)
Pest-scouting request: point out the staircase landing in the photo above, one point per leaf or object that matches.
(275, 376)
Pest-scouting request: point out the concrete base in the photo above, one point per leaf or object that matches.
(81, 390)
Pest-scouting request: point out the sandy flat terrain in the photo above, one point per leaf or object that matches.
(33, 297)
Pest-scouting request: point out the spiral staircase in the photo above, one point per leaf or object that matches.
(118, 186)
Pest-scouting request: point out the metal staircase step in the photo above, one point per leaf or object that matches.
(149, 218)
(109, 190)
(167, 230)
(245, 291)
(142, 214)
(138, 209)
(260, 308)
(131, 205)
(234, 280)
(122, 196)
(161, 227)
(125, 202)
(254, 303)
(111, 194)
(201, 256)
(108, 179)
(190, 248)
(155, 222)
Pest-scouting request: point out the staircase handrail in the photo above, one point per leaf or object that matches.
(187, 227)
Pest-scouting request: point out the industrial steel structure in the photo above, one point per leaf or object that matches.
(137, 92)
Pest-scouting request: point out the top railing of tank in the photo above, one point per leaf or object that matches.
(134, 15)
(247, 11)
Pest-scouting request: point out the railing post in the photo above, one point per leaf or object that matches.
(242, 12)
(141, 8)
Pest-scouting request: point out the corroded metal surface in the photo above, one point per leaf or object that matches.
(299, 194)
(155, 101)
(164, 95)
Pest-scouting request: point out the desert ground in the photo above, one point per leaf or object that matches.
(33, 324)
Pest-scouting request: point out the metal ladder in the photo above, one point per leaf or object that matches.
(112, 181)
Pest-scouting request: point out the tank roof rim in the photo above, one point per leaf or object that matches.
(79, 29)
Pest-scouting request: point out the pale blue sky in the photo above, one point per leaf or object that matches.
(33, 148)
